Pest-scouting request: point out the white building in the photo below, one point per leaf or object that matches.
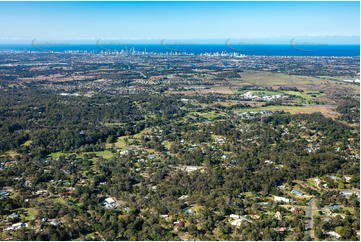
(334, 234)
(236, 222)
(235, 216)
(109, 203)
(183, 197)
(281, 199)
(16, 226)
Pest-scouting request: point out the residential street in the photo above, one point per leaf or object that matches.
(310, 204)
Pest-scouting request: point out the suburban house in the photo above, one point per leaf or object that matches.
(109, 203)
(297, 193)
(234, 216)
(3, 195)
(16, 226)
(348, 193)
(281, 199)
(333, 207)
(179, 224)
(278, 215)
(334, 234)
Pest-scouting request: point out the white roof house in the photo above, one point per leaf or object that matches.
(109, 203)
(235, 216)
(281, 199)
(334, 234)
(109, 200)
(236, 222)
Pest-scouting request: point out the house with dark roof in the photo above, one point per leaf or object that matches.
(3, 194)
(333, 207)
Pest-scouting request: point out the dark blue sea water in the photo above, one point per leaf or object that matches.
(258, 50)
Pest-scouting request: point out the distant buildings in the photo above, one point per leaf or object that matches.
(16, 226)
(234, 216)
(278, 215)
(4, 194)
(237, 220)
(318, 182)
(334, 234)
(55, 223)
(348, 193)
(250, 96)
(183, 197)
(348, 178)
(281, 199)
(13, 216)
(179, 224)
(297, 193)
(266, 112)
(248, 115)
(352, 81)
(334, 207)
(281, 187)
(282, 229)
(188, 210)
(109, 203)
(190, 168)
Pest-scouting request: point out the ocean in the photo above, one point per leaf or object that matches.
(249, 50)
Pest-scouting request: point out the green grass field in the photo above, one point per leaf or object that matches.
(27, 143)
(265, 93)
(290, 109)
(56, 155)
(30, 213)
(106, 154)
(58, 200)
(326, 110)
(275, 80)
(307, 95)
(336, 78)
(208, 115)
(121, 142)
(27, 214)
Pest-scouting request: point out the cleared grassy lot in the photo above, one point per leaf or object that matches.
(305, 83)
(326, 110)
(306, 96)
(207, 115)
(269, 79)
(106, 154)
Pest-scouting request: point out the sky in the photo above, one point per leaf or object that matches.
(178, 20)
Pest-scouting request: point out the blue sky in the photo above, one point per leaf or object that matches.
(177, 20)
